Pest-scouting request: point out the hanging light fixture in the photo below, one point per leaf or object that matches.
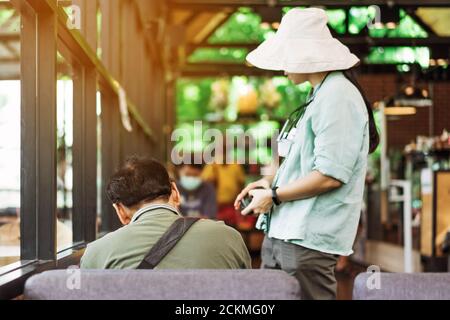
(390, 16)
(399, 111)
(410, 97)
(407, 101)
(414, 96)
(440, 56)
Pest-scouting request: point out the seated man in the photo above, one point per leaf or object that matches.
(198, 197)
(147, 202)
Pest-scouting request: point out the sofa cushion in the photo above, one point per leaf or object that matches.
(162, 285)
(402, 286)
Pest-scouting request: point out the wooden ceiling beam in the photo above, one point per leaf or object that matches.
(412, 13)
(9, 60)
(8, 37)
(181, 16)
(431, 41)
(218, 20)
(150, 21)
(197, 29)
(12, 50)
(436, 18)
(211, 4)
(7, 24)
(224, 69)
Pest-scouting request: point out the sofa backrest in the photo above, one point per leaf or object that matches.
(162, 285)
(402, 286)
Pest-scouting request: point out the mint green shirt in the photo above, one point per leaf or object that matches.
(332, 138)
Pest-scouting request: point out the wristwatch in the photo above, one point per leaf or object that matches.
(275, 198)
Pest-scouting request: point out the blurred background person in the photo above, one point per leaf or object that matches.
(229, 179)
(198, 197)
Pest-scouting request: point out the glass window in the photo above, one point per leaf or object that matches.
(64, 153)
(99, 32)
(9, 135)
(99, 162)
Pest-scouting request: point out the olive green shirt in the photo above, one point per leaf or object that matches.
(207, 245)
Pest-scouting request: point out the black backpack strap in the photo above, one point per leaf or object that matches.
(167, 242)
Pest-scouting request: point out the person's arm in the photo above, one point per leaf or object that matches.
(339, 127)
(312, 185)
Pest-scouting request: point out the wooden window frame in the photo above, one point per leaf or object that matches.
(44, 23)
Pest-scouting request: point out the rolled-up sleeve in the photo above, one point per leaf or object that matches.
(339, 127)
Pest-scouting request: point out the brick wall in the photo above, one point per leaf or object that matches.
(441, 95)
(403, 130)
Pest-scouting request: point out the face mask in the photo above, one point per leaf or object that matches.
(190, 183)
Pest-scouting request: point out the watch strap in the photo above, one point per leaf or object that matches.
(275, 198)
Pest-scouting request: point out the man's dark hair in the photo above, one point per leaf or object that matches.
(138, 180)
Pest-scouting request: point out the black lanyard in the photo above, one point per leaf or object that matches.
(290, 124)
(298, 113)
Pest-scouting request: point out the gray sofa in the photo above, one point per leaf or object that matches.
(401, 286)
(162, 285)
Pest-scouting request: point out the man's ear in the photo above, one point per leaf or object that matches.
(175, 198)
(122, 213)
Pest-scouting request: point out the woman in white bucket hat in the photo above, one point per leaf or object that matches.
(310, 208)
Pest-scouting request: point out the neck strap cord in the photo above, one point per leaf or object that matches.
(298, 113)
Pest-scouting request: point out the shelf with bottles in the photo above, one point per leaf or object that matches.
(429, 152)
(432, 146)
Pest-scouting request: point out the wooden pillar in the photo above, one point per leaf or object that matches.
(38, 131)
(110, 221)
(170, 107)
(85, 134)
(111, 126)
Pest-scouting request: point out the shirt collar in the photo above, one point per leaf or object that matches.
(152, 207)
(317, 87)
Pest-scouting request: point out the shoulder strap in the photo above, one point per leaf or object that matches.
(167, 242)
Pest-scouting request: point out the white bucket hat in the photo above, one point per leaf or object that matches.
(303, 44)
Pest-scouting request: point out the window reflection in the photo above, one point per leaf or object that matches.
(9, 135)
(9, 171)
(99, 163)
(64, 153)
